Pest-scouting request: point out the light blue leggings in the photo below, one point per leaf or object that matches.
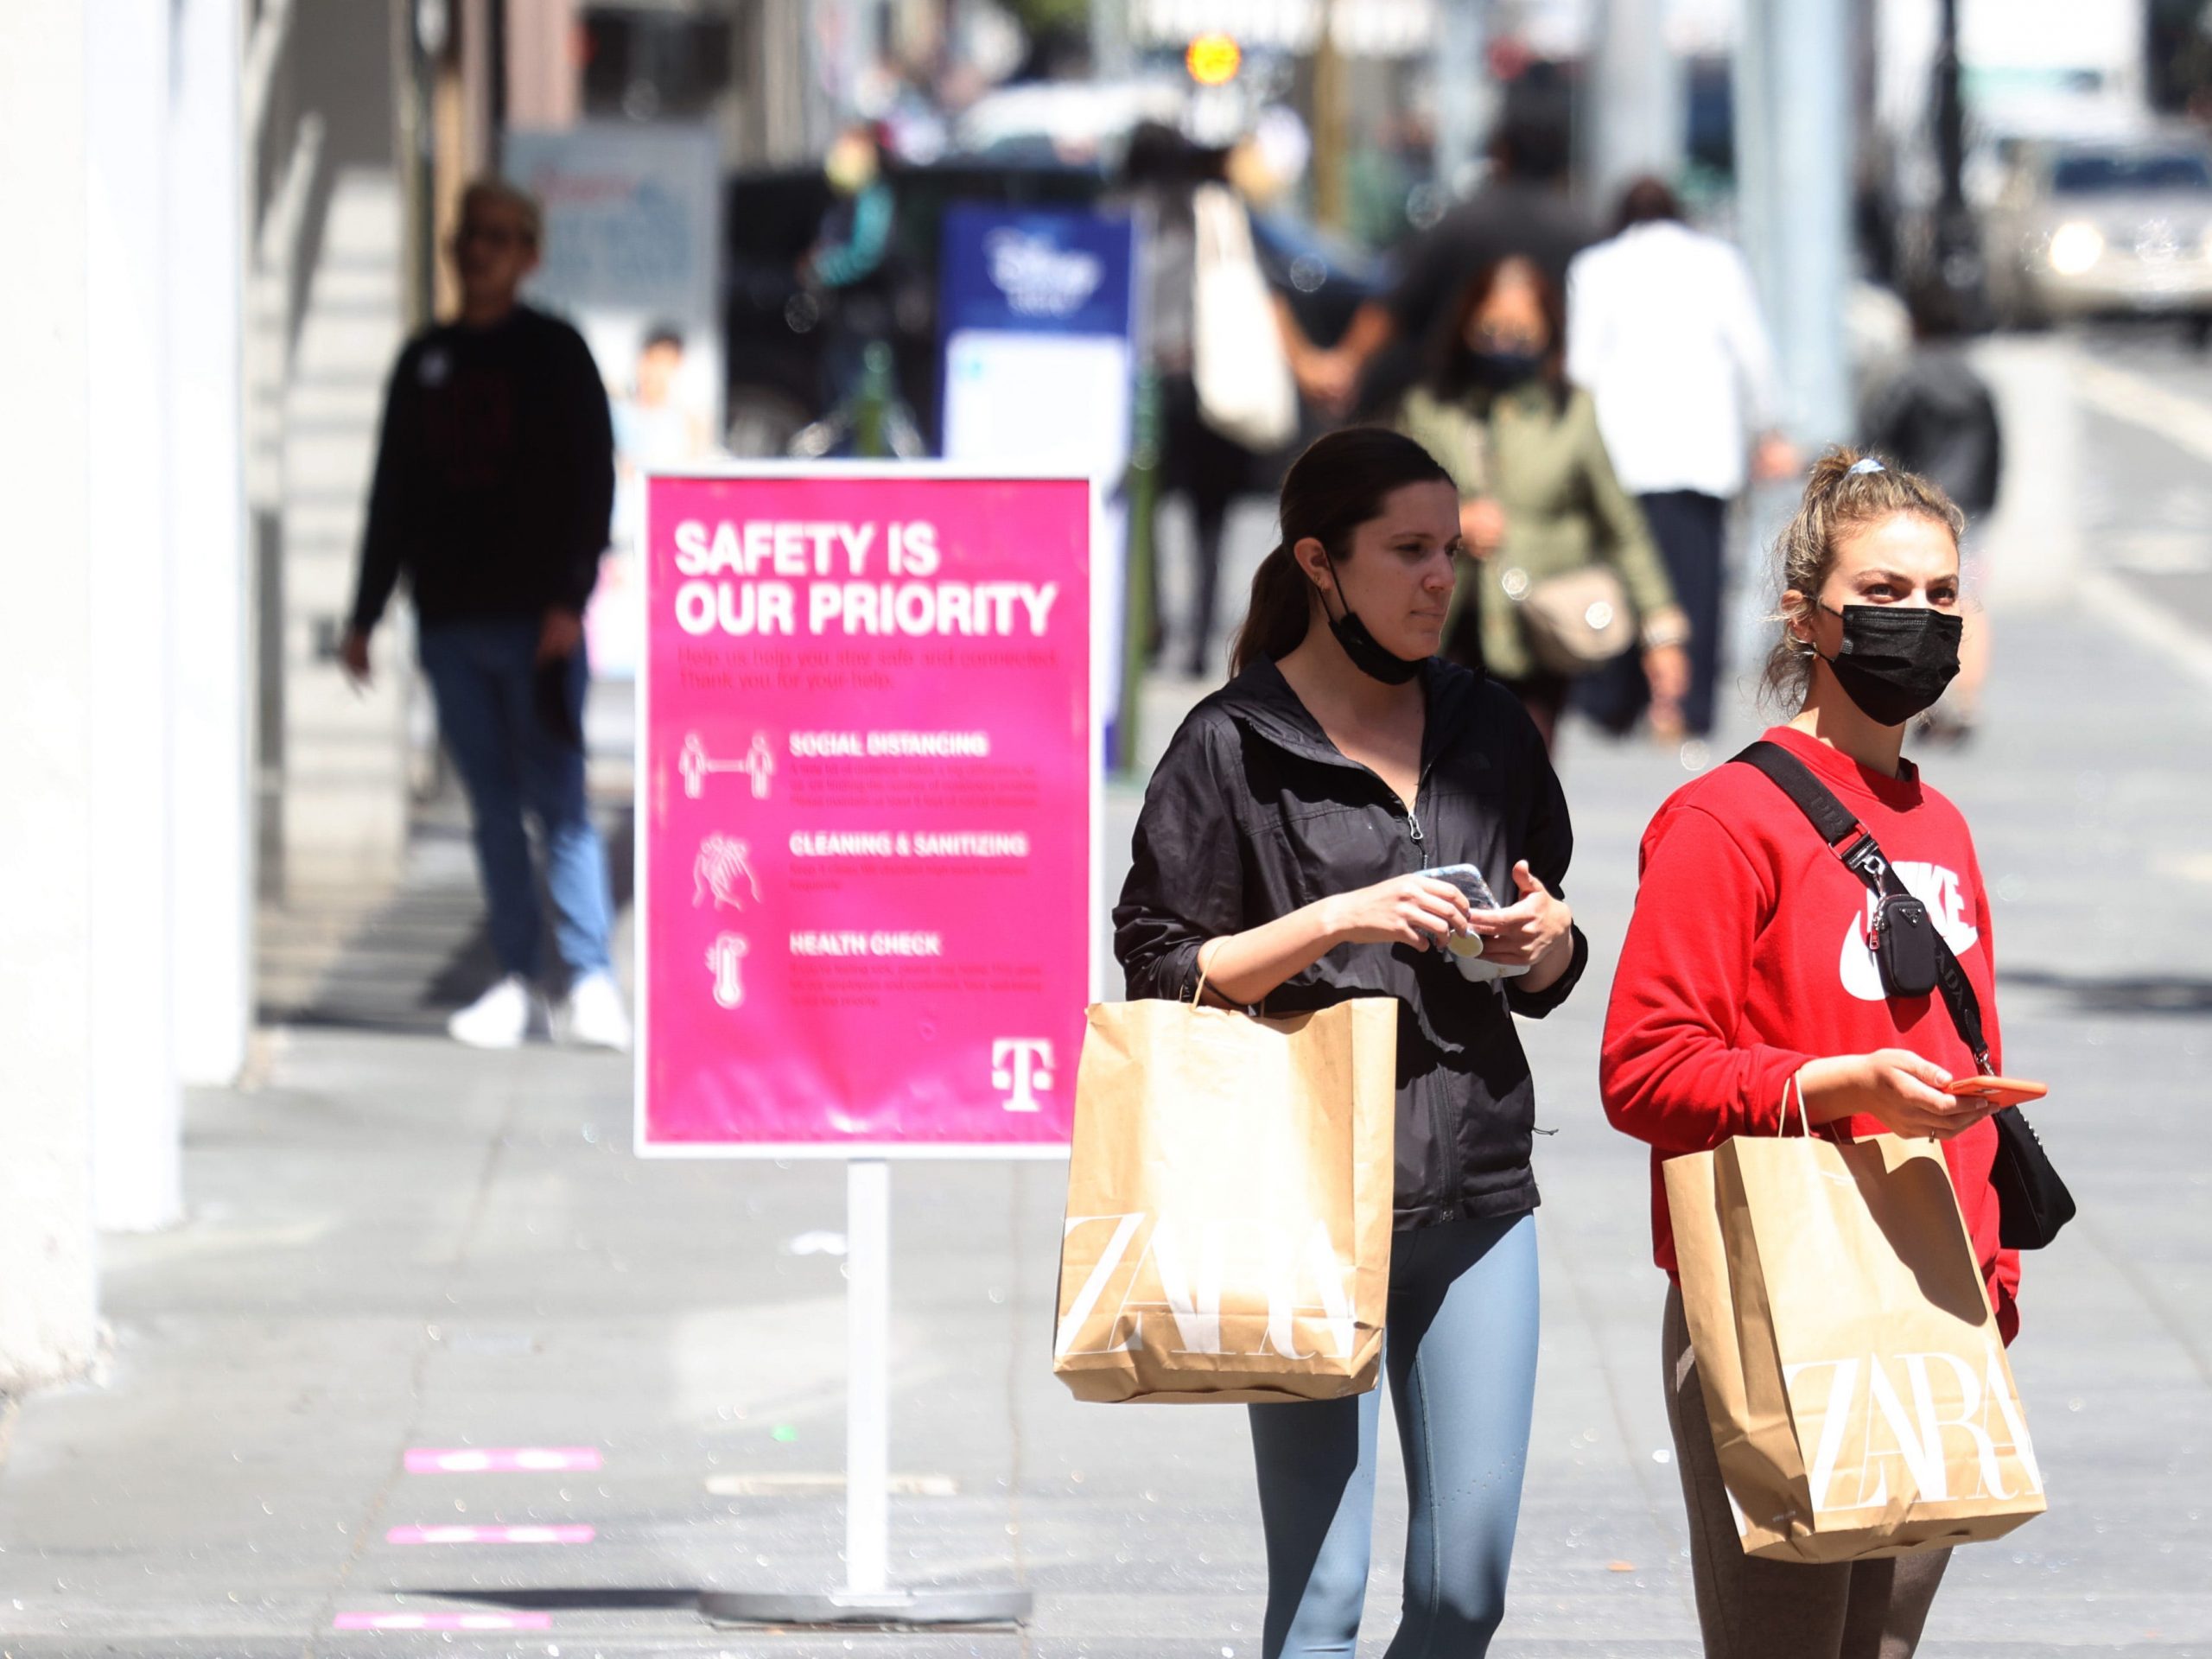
(1460, 1348)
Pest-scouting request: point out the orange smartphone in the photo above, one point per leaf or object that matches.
(2002, 1092)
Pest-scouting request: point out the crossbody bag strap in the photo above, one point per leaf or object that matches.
(1966, 1007)
(1860, 854)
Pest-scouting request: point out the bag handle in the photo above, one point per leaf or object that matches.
(1864, 859)
(1198, 996)
(1791, 1087)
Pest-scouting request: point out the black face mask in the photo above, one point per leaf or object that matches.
(1505, 370)
(1365, 650)
(1895, 659)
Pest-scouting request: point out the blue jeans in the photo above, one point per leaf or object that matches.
(1459, 1345)
(483, 675)
(1692, 531)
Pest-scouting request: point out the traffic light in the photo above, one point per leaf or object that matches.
(1213, 60)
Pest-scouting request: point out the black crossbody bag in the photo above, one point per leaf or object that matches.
(2032, 1202)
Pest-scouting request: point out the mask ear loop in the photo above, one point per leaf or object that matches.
(1812, 647)
(1329, 559)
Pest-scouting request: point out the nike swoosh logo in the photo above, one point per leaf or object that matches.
(1863, 979)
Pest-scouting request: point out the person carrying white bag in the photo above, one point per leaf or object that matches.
(1766, 986)
(1288, 853)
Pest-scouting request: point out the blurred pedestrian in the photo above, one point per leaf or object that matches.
(494, 483)
(1935, 416)
(1226, 399)
(850, 262)
(1521, 209)
(1731, 1010)
(1663, 332)
(1380, 174)
(1540, 502)
(1338, 699)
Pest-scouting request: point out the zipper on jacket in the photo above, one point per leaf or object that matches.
(1413, 807)
(1439, 1118)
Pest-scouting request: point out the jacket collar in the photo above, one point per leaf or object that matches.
(1262, 702)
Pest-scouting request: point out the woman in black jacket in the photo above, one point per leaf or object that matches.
(1280, 848)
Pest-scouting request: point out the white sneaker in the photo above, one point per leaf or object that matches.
(499, 1018)
(596, 1016)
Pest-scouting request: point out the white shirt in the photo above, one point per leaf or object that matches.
(1663, 331)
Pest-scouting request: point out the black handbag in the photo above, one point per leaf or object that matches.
(2032, 1202)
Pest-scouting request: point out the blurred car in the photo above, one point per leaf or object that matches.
(1067, 120)
(772, 351)
(2103, 227)
(776, 324)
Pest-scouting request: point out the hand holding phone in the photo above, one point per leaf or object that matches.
(1999, 1091)
(1466, 949)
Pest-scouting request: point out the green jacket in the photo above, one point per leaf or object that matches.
(1547, 468)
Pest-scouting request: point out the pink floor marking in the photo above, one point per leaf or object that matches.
(500, 1459)
(497, 1534)
(442, 1622)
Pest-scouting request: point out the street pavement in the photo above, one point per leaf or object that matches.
(395, 1245)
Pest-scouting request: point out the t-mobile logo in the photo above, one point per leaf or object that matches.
(1022, 1065)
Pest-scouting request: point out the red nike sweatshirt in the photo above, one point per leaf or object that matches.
(1747, 957)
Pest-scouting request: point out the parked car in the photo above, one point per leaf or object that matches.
(2103, 227)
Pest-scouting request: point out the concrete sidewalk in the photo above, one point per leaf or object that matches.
(397, 1244)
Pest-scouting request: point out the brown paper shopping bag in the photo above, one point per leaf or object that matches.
(1860, 1400)
(1227, 1231)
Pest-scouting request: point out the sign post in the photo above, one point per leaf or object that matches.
(867, 1410)
(869, 862)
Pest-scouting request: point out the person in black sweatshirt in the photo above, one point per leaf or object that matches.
(494, 483)
(1936, 417)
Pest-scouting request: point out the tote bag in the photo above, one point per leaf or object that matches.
(1230, 1194)
(1237, 365)
(1860, 1400)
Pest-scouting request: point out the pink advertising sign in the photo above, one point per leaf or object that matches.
(867, 790)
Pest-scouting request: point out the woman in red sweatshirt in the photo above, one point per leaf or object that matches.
(1746, 974)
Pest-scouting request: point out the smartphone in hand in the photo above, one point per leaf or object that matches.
(1999, 1091)
(1466, 948)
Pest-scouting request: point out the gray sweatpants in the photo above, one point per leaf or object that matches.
(1753, 1608)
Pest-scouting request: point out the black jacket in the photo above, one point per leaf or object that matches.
(495, 474)
(1935, 416)
(1253, 813)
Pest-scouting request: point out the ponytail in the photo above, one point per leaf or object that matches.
(1279, 614)
(1336, 485)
